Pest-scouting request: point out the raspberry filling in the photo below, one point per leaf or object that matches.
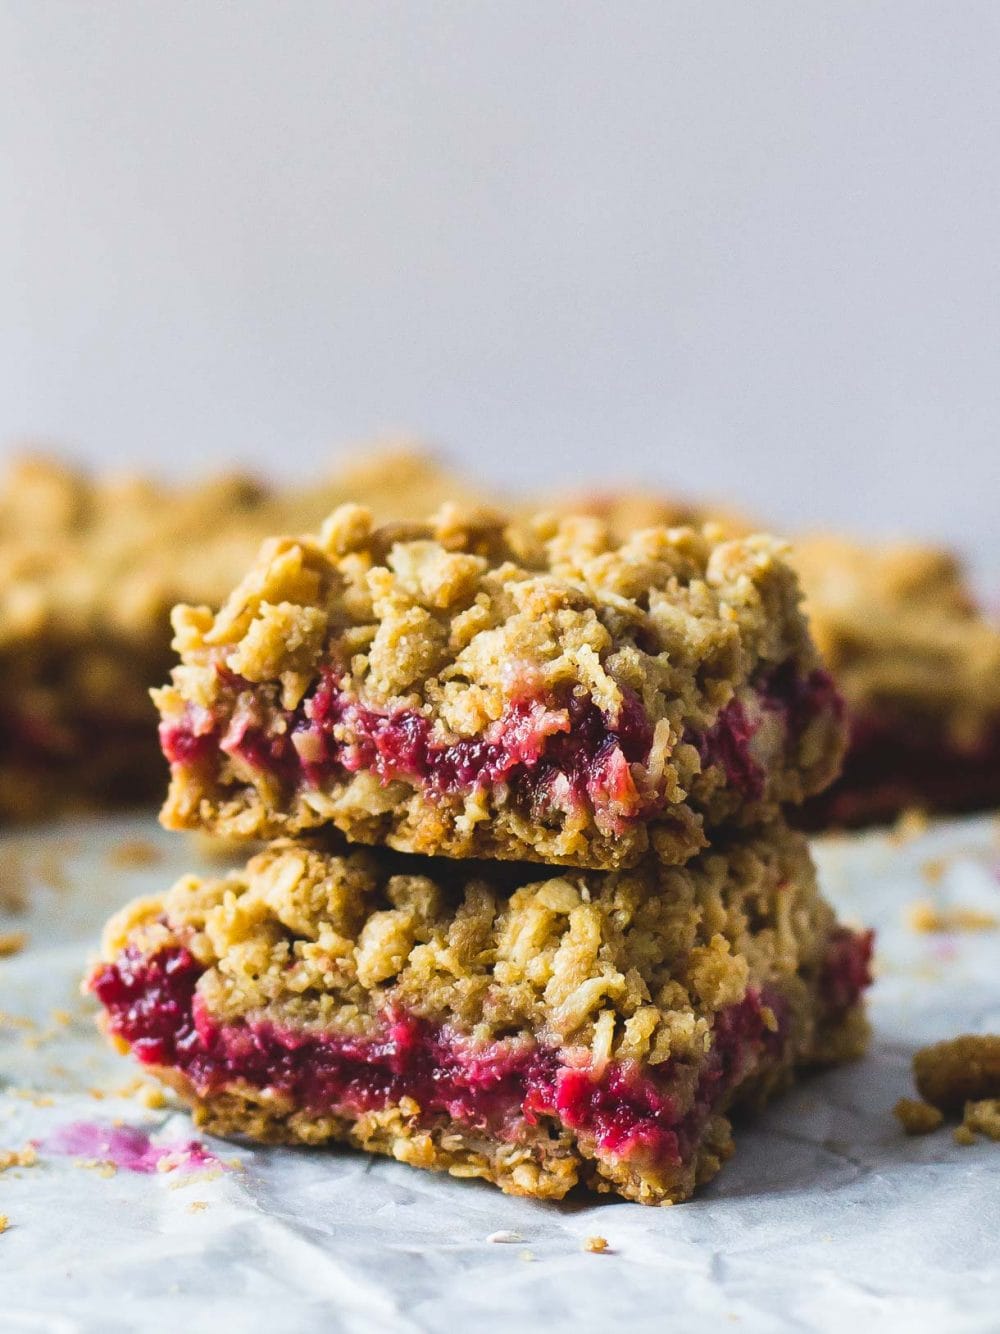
(569, 754)
(799, 699)
(624, 1109)
(846, 970)
(564, 754)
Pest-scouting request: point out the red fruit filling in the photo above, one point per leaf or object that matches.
(566, 754)
(727, 744)
(563, 754)
(801, 699)
(846, 970)
(625, 1109)
(895, 763)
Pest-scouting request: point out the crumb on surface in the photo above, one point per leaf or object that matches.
(505, 1238)
(959, 1070)
(983, 1118)
(26, 1157)
(21, 1021)
(917, 1117)
(149, 1095)
(12, 942)
(596, 1245)
(180, 1180)
(527, 1256)
(4, 1222)
(933, 869)
(910, 825)
(134, 852)
(963, 1135)
(197, 1206)
(102, 1166)
(924, 916)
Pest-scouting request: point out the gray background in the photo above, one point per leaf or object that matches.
(746, 248)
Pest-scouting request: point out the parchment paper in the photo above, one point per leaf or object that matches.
(828, 1218)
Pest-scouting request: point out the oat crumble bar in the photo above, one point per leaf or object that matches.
(919, 666)
(89, 570)
(534, 691)
(533, 1027)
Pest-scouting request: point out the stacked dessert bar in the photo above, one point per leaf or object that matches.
(529, 909)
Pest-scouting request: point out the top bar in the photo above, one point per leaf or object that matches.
(466, 688)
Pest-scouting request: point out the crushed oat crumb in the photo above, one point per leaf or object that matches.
(910, 825)
(963, 1135)
(916, 1117)
(12, 942)
(134, 852)
(4, 1222)
(26, 1157)
(926, 917)
(596, 1245)
(101, 1166)
(983, 1117)
(197, 1206)
(959, 1070)
(505, 1238)
(183, 1179)
(933, 869)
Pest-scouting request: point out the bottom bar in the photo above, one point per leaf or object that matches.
(534, 1029)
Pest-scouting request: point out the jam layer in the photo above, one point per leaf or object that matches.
(562, 753)
(623, 1111)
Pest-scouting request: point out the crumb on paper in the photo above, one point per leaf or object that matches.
(596, 1245)
(963, 1135)
(197, 1206)
(134, 852)
(12, 942)
(924, 916)
(102, 1166)
(917, 1117)
(61, 1017)
(21, 1021)
(144, 1091)
(26, 1157)
(933, 869)
(910, 825)
(983, 1118)
(182, 1179)
(4, 1222)
(527, 1256)
(33, 1096)
(505, 1238)
(958, 1070)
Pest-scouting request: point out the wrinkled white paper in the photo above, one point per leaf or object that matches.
(828, 1218)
